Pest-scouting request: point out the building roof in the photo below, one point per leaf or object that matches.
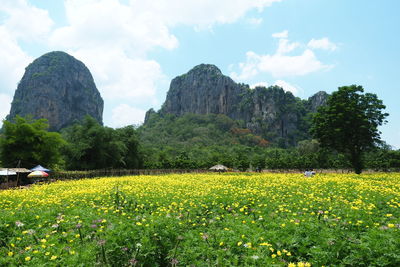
(17, 170)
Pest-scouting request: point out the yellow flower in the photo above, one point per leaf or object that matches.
(273, 256)
(391, 225)
(27, 248)
(43, 240)
(53, 258)
(292, 264)
(28, 258)
(10, 253)
(289, 254)
(221, 244)
(239, 243)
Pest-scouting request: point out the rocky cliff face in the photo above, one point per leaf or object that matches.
(270, 112)
(203, 90)
(317, 100)
(59, 88)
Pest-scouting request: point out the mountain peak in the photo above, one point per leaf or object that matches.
(205, 69)
(59, 88)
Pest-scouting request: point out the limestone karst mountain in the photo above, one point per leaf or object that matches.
(273, 113)
(59, 88)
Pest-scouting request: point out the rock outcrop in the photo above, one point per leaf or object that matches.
(317, 100)
(270, 112)
(203, 90)
(59, 88)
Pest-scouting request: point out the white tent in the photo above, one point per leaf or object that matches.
(219, 167)
(7, 172)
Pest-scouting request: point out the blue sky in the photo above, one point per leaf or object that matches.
(134, 48)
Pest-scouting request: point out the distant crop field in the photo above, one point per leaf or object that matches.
(225, 219)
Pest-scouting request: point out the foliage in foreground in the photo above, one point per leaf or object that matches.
(207, 219)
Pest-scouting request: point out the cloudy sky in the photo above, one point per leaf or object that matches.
(135, 47)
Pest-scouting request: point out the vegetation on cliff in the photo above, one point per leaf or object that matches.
(272, 113)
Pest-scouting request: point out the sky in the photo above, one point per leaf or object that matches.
(134, 48)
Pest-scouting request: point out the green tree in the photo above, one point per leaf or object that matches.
(28, 141)
(93, 146)
(132, 152)
(348, 123)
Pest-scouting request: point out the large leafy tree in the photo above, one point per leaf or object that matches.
(132, 153)
(27, 141)
(93, 146)
(348, 123)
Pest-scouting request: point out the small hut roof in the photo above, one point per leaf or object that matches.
(219, 167)
(7, 172)
(17, 170)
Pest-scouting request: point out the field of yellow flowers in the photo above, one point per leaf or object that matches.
(231, 219)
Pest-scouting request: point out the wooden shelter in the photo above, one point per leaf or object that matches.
(16, 179)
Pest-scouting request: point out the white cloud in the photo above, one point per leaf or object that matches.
(287, 87)
(259, 84)
(322, 43)
(123, 33)
(201, 13)
(280, 64)
(21, 21)
(13, 61)
(119, 76)
(285, 46)
(108, 24)
(5, 105)
(25, 21)
(140, 25)
(284, 66)
(112, 37)
(283, 34)
(124, 115)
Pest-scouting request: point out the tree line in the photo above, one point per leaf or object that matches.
(345, 135)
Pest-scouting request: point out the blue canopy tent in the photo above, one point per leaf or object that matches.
(40, 168)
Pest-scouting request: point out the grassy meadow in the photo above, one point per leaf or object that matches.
(230, 219)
